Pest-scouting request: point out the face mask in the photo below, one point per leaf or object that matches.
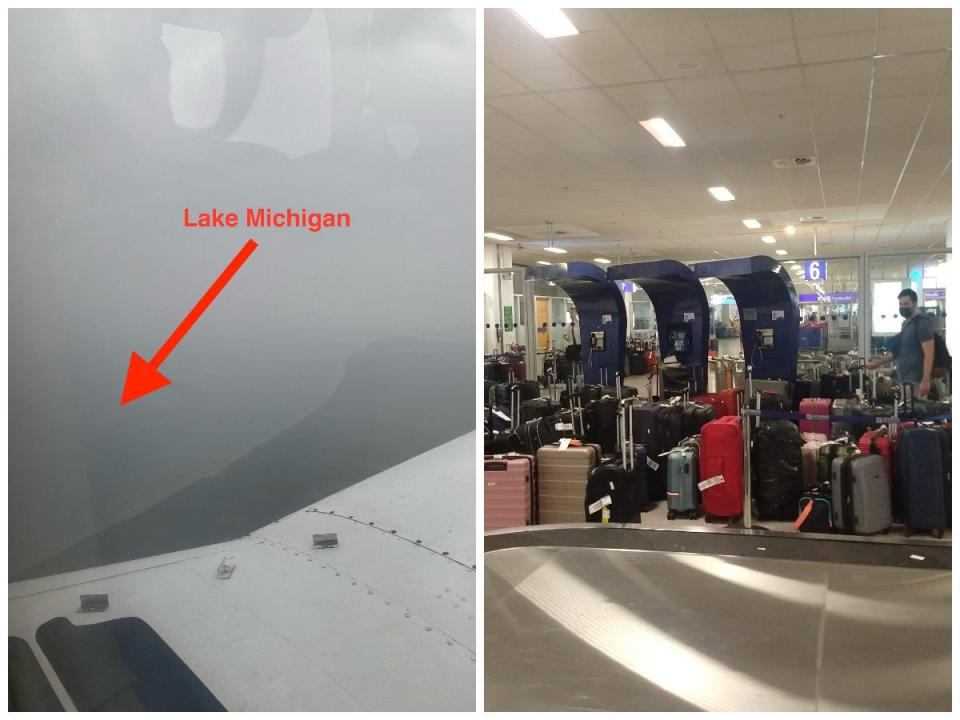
(906, 312)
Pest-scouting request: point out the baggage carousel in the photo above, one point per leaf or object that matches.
(621, 617)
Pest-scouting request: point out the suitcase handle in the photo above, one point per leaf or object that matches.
(495, 466)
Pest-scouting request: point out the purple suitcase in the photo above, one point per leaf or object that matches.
(509, 494)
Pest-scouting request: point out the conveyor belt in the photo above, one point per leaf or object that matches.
(625, 618)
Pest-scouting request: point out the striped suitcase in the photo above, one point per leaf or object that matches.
(509, 491)
(562, 481)
(815, 406)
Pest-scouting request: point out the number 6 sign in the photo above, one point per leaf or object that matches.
(815, 270)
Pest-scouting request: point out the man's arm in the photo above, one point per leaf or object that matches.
(879, 362)
(923, 389)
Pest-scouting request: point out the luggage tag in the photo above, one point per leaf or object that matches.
(564, 443)
(710, 482)
(501, 415)
(602, 503)
(653, 464)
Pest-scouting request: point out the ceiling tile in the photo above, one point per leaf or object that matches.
(828, 48)
(915, 39)
(587, 19)
(687, 64)
(672, 38)
(907, 17)
(759, 57)
(595, 46)
(618, 73)
(929, 63)
(762, 80)
(849, 73)
(749, 28)
(499, 83)
(557, 77)
(653, 16)
(812, 22)
(702, 87)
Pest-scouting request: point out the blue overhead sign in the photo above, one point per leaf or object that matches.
(814, 270)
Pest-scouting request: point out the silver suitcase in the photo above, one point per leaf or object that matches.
(861, 494)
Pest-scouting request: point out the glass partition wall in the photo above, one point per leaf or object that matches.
(925, 273)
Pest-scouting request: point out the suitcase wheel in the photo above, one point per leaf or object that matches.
(671, 515)
(937, 533)
(708, 518)
(907, 532)
(693, 515)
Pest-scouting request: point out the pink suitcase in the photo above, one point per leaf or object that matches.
(815, 406)
(509, 494)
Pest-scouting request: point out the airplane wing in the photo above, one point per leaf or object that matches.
(385, 620)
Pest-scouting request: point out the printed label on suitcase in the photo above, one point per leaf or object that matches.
(653, 464)
(502, 416)
(601, 503)
(563, 426)
(710, 482)
(564, 443)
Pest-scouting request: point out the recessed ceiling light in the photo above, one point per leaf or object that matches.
(790, 230)
(751, 223)
(781, 251)
(543, 262)
(549, 22)
(497, 236)
(769, 239)
(602, 261)
(721, 193)
(558, 251)
(661, 130)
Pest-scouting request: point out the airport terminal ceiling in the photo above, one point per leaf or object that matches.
(773, 104)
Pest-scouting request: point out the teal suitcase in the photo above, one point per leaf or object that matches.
(683, 474)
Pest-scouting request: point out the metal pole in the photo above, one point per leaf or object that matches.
(530, 329)
(499, 281)
(747, 475)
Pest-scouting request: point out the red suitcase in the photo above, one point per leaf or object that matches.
(815, 406)
(725, 402)
(721, 467)
(509, 495)
(879, 443)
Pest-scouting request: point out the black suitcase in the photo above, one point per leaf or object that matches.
(536, 408)
(602, 424)
(558, 366)
(636, 364)
(771, 401)
(695, 416)
(777, 475)
(529, 389)
(869, 413)
(659, 428)
(627, 490)
(921, 478)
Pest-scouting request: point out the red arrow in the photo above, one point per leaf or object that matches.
(144, 377)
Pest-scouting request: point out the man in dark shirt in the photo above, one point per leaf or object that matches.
(915, 348)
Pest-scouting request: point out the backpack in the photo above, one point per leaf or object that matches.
(941, 356)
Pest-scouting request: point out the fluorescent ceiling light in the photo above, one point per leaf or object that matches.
(602, 261)
(543, 262)
(752, 223)
(781, 251)
(498, 236)
(769, 239)
(559, 251)
(790, 230)
(549, 22)
(721, 194)
(661, 130)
